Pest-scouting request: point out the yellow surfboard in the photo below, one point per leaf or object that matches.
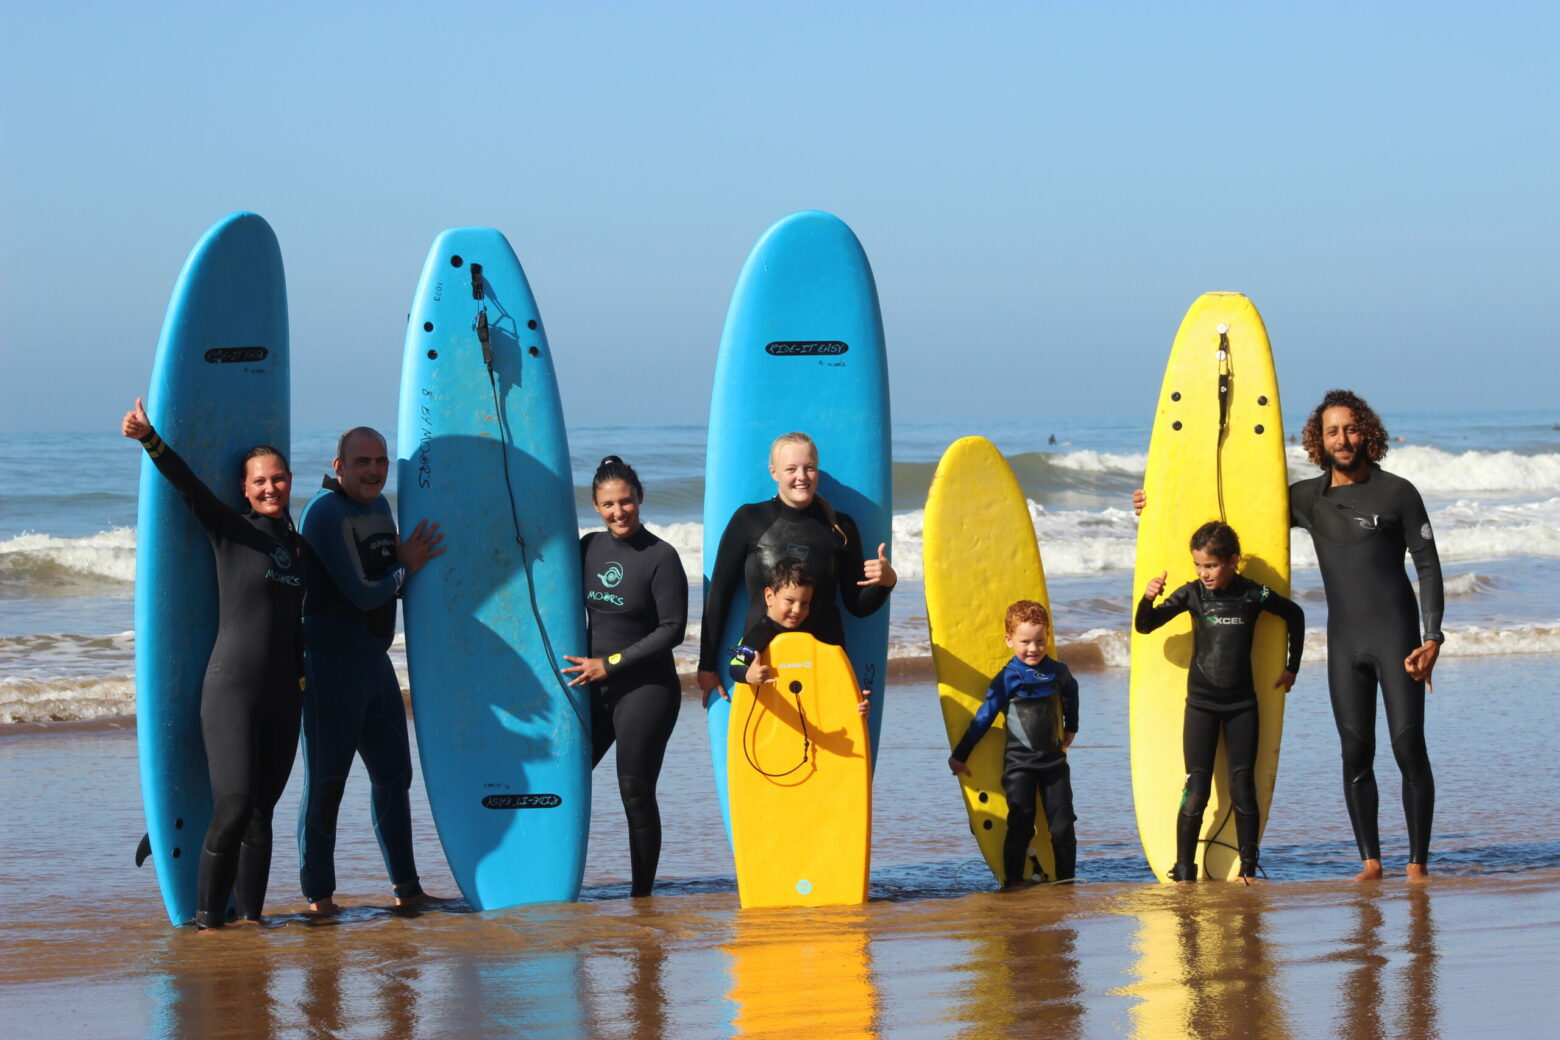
(979, 553)
(799, 769)
(1217, 453)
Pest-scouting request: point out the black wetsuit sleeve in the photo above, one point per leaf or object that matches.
(755, 642)
(1294, 617)
(1427, 561)
(850, 566)
(1069, 687)
(1150, 617)
(669, 590)
(215, 516)
(725, 581)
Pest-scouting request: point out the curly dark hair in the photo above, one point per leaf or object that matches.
(1370, 423)
(1216, 539)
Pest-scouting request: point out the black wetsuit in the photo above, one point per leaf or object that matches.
(1361, 532)
(353, 704)
(1035, 700)
(636, 599)
(754, 642)
(249, 701)
(1220, 693)
(758, 536)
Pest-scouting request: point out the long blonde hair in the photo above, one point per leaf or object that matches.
(798, 437)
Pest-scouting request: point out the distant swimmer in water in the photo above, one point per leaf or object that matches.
(797, 522)
(249, 700)
(1362, 520)
(1051, 439)
(1221, 692)
(636, 601)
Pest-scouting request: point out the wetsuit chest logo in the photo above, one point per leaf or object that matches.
(282, 558)
(1369, 523)
(1217, 619)
(612, 577)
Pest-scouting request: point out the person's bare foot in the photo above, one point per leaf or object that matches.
(420, 899)
(1418, 872)
(1371, 871)
(324, 907)
(1254, 880)
(244, 920)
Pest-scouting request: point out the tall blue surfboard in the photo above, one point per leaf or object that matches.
(802, 350)
(219, 386)
(505, 744)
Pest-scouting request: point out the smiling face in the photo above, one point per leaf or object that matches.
(788, 605)
(363, 466)
(1214, 572)
(618, 507)
(267, 485)
(795, 468)
(1343, 439)
(1027, 641)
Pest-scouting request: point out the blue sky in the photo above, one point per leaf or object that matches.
(1042, 188)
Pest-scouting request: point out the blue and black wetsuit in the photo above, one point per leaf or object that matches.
(1361, 532)
(636, 600)
(1041, 704)
(758, 536)
(1220, 693)
(353, 703)
(249, 699)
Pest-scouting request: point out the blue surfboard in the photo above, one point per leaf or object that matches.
(219, 386)
(505, 743)
(804, 336)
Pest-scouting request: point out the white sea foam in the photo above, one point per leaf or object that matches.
(1100, 462)
(1443, 473)
(42, 563)
(28, 700)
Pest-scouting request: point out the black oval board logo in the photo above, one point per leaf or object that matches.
(229, 355)
(806, 348)
(521, 801)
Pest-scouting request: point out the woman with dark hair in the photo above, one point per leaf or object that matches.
(796, 522)
(636, 602)
(250, 699)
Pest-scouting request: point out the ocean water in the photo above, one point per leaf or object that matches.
(1491, 481)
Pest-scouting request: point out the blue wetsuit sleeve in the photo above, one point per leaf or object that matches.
(1150, 617)
(1294, 617)
(1427, 561)
(996, 702)
(329, 534)
(850, 565)
(1069, 701)
(754, 642)
(215, 516)
(669, 589)
(725, 580)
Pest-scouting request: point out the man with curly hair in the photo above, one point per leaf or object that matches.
(1362, 519)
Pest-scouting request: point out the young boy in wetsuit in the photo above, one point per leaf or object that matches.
(787, 602)
(1220, 690)
(1039, 697)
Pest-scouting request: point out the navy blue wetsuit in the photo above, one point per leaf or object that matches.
(636, 599)
(353, 702)
(1220, 693)
(758, 536)
(1361, 532)
(249, 699)
(1041, 704)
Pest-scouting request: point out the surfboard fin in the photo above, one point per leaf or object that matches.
(143, 851)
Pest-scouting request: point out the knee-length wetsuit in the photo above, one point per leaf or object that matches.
(249, 699)
(353, 702)
(1041, 704)
(1361, 532)
(758, 536)
(636, 601)
(1221, 693)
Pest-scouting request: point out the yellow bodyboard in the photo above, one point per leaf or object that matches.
(799, 772)
(980, 554)
(1208, 461)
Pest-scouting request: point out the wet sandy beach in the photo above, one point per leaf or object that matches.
(85, 950)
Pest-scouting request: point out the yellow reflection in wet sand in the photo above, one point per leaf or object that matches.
(1203, 967)
(802, 972)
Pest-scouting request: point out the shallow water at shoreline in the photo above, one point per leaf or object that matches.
(85, 949)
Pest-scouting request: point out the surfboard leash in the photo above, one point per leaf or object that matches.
(506, 438)
(796, 692)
